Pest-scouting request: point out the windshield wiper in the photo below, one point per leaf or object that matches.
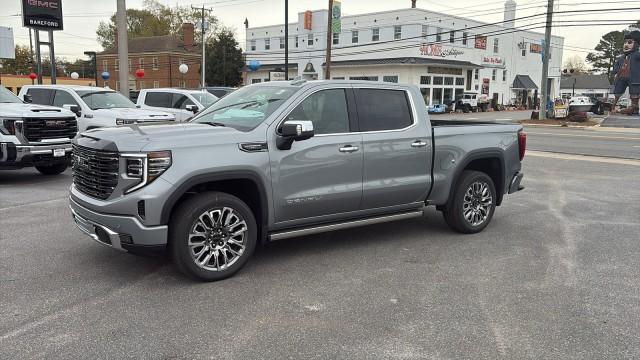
(214, 123)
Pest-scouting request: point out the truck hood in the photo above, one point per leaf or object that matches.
(30, 110)
(159, 136)
(135, 114)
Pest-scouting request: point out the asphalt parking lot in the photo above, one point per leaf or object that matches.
(554, 276)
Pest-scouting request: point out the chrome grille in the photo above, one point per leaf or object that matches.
(37, 129)
(95, 172)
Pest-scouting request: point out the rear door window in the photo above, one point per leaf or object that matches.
(381, 109)
(158, 99)
(180, 101)
(41, 96)
(62, 98)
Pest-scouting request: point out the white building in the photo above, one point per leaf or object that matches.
(442, 54)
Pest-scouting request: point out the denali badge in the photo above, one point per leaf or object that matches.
(55, 123)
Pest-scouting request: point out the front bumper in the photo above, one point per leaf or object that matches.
(13, 153)
(124, 233)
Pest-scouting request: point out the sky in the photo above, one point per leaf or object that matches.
(83, 16)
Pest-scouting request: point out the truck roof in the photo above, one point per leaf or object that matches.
(69, 87)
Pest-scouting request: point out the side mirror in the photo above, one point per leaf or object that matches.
(294, 130)
(73, 108)
(193, 108)
(27, 98)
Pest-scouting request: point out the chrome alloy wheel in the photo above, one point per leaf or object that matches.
(477, 203)
(217, 239)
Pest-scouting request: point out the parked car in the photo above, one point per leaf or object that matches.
(437, 109)
(183, 104)
(34, 135)
(94, 107)
(220, 91)
(284, 159)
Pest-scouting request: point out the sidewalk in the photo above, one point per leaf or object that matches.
(621, 121)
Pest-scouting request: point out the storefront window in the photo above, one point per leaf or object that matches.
(459, 81)
(448, 81)
(390, 79)
(437, 80)
(459, 94)
(425, 80)
(437, 96)
(448, 96)
(426, 95)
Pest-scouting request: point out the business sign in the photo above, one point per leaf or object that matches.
(42, 14)
(485, 86)
(438, 51)
(492, 60)
(535, 48)
(7, 46)
(336, 17)
(277, 76)
(481, 42)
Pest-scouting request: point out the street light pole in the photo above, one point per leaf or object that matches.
(123, 47)
(327, 62)
(286, 40)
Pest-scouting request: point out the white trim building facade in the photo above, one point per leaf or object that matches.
(442, 54)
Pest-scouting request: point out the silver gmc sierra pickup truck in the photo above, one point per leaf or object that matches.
(284, 159)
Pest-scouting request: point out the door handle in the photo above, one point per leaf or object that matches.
(418, 144)
(348, 149)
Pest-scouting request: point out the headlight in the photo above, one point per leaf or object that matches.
(146, 167)
(125, 121)
(7, 126)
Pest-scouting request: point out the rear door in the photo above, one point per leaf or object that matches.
(397, 148)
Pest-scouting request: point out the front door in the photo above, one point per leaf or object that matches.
(321, 177)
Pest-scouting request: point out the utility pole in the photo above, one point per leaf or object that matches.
(286, 40)
(123, 47)
(202, 28)
(327, 61)
(36, 35)
(542, 113)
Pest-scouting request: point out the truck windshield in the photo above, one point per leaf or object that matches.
(97, 100)
(204, 98)
(246, 108)
(7, 96)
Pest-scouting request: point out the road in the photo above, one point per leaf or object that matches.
(585, 142)
(554, 276)
(501, 116)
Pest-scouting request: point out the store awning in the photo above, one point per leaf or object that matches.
(406, 61)
(523, 82)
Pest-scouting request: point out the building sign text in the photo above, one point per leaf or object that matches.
(437, 50)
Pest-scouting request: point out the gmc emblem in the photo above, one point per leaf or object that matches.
(55, 123)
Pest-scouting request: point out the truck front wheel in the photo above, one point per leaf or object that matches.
(473, 203)
(212, 236)
(55, 169)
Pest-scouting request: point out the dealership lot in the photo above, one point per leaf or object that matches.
(554, 276)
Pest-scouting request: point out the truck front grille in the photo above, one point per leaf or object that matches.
(38, 129)
(95, 172)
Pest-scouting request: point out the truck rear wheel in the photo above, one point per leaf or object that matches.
(212, 236)
(473, 203)
(54, 169)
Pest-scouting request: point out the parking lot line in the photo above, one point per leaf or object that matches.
(601, 159)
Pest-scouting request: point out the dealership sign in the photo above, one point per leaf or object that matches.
(439, 51)
(492, 60)
(42, 14)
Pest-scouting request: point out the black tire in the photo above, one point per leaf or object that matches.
(49, 170)
(454, 211)
(185, 218)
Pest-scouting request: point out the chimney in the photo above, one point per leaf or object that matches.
(509, 14)
(187, 35)
(413, 4)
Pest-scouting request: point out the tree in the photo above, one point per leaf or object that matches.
(155, 19)
(22, 64)
(575, 65)
(224, 60)
(609, 47)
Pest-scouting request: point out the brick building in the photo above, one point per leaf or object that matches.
(160, 57)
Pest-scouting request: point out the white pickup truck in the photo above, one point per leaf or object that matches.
(182, 103)
(95, 107)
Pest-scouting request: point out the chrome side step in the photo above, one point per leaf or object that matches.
(343, 225)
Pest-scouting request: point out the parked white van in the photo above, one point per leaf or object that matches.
(94, 107)
(183, 104)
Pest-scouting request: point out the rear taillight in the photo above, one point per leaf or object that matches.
(522, 143)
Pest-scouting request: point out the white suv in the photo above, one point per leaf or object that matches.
(183, 104)
(95, 107)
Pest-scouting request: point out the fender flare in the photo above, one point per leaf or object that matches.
(479, 155)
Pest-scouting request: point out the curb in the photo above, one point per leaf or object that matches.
(589, 128)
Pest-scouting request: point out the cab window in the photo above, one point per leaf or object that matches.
(62, 98)
(158, 99)
(41, 96)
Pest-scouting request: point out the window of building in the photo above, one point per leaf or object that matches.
(281, 43)
(155, 63)
(390, 78)
(365, 78)
(504, 75)
(425, 31)
(338, 78)
(336, 38)
(452, 36)
(524, 52)
(476, 87)
(476, 76)
(310, 40)
(327, 109)
(495, 45)
(375, 34)
(117, 65)
(383, 109)
(448, 80)
(141, 84)
(156, 84)
(253, 45)
(267, 44)
(297, 39)
(397, 32)
(105, 65)
(494, 73)
(141, 63)
(465, 36)
(117, 85)
(437, 96)
(354, 36)
(438, 34)
(129, 65)
(255, 81)
(425, 80)
(438, 80)
(459, 81)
